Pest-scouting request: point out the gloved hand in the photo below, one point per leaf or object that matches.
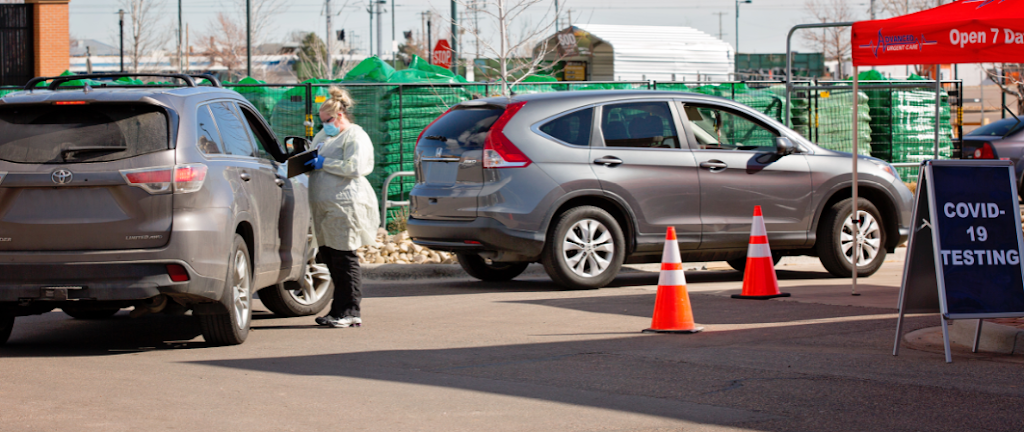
(316, 163)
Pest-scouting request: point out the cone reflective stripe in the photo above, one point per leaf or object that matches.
(672, 312)
(759, 280)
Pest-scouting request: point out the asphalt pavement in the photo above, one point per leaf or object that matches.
(455, 354)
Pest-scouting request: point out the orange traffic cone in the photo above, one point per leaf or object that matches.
(759, 281)
(672, 312)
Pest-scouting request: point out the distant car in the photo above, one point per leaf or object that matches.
(161, 199)
(586, 181)
(1000, 139)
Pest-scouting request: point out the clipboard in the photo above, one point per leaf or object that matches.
(297, 164)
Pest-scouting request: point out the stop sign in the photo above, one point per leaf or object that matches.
(442, 54)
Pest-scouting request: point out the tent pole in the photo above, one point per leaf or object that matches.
(856, 216)
(938, 106)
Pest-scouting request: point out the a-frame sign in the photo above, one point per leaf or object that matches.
(964, 256)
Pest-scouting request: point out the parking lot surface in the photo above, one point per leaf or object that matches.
(457, 354)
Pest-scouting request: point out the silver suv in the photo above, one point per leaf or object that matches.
(586, 181)
(161, 199)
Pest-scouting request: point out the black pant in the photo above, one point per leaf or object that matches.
(344, 268)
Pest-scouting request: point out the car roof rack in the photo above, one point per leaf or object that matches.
(57, 80)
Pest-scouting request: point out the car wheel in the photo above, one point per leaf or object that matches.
(304, 297)
(585, 249)
(6, 325)
(478, 267)
(836, 243)
(91, 313)
(229, 324)
(740, 264)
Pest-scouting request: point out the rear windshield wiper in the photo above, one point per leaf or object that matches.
(436, 137)
(89, 149)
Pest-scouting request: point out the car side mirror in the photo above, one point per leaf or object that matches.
(783, 146)
(296, 144)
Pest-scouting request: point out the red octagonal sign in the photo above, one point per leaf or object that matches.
(442, 54)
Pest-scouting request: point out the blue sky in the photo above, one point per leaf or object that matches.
(763, 23)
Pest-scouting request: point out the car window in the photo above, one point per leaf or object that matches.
(719, 129)
(1001, 128)
(467, 127)
(232, 131)
(48, 133)
(255, 139)
(639, 124)
(209, 141)
(572, 128)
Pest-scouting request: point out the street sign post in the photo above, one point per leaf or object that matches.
(442, 54)
(964, 255)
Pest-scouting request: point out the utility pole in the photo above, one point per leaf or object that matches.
(872, 10)
(720, 14)
(455, 37)
(121, 23)
(738, 24)
(380, 27)
(369, 10)
(430, 42)
(330, 40)
(248, 37)
(394, 40)
(556, 16)
(179, 37)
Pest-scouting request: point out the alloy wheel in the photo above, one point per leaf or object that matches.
(588, 248)
(869, 235)
(242, 297)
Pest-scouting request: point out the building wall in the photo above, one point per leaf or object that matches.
(51, 35)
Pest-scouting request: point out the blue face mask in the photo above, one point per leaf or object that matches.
(331, 130)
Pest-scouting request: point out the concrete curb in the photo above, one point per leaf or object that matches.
(995, 338)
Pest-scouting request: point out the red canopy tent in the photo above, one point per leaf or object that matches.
(966, 31)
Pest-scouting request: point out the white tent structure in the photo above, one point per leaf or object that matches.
(631, 53)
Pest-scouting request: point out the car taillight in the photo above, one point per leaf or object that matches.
(499, 152)
(984, 152)
(177, 273)
(177, 179)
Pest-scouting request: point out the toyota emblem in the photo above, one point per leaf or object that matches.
(61, 176)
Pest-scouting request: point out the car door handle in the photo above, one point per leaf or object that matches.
(714, 165)
(245, 176)
(608, 161)
(279, 182)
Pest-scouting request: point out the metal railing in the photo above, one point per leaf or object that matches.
(385, 203)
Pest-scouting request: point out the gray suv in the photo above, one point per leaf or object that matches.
(586, 181)
(161, 199)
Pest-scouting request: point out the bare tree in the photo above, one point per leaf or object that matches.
(265, 14)
(313, 60)
(833, 42)
(224, 44)
(1010, 79)
(144, 33)
(516, 53)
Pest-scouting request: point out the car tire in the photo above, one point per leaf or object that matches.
(740, 264)
(91, 313)
(478, 267)
(836, 253)
(229, 323)
(304, 297)
(597, 253)
(6, 326)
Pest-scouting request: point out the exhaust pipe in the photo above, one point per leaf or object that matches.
(148, 306)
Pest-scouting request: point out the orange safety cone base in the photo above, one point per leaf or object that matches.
(693, 330)
(757, 297)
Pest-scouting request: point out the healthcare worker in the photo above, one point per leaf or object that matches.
(343, 204)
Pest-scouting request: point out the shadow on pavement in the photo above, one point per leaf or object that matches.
(55, 334)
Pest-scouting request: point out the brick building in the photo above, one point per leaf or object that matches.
(34, 39)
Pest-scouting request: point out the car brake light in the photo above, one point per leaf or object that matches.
(499, 152)
(177, 179)
(177, 273)
(984, 152)
(189, 178)
(69, 103)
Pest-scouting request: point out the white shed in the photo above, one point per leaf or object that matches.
(629, 53)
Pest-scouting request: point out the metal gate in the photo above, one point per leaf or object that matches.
(17, 61)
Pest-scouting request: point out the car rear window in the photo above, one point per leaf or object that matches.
(1000, 128)
(80, 133)
(467, 127)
